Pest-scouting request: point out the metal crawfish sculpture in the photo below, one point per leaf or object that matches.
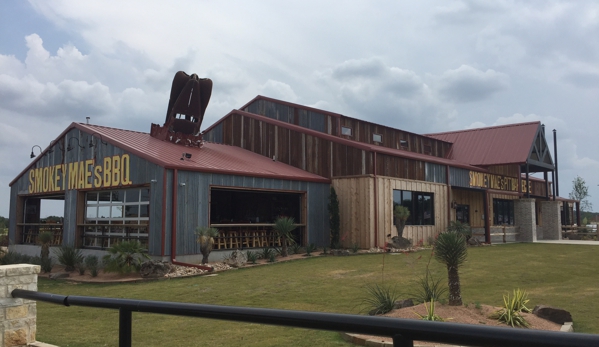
(185, 113)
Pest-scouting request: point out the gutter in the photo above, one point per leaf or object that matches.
(174, 231)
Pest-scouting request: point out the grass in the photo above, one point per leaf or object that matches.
(564, 276)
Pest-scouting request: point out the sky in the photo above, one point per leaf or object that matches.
(422, 66)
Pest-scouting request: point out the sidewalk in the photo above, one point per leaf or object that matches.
(570, 242)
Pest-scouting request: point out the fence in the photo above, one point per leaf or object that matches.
(402, 331)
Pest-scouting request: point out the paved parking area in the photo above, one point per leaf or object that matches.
(570, 242)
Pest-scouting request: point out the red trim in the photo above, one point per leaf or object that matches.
(163, 237)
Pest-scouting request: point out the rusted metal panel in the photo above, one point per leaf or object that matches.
(215, 134)
(435, 173)
(459, 177)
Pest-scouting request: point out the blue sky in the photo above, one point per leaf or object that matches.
(423, 66)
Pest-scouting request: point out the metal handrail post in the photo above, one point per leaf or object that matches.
(124, 327)
(400, 341)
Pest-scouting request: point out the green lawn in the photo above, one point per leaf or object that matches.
(565, 276)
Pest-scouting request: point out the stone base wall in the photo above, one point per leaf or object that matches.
(525, 219)
(551, 220)
(18, 316)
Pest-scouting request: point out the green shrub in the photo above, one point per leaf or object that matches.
(272, 258)
(296, 248)
(125, 257)
(429, 288)
(92, 263)
(266, 253)
(510, 313)
(379, 299)
(430, 313)
(12, 257)
(310, 248)
(252, 257)
(47, 264)
(69, 257)
(355, 248)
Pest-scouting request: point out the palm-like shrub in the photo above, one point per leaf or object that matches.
(379, 299)
(461, 228)
(125, 257)
(510, 313)
(44, 239)
(429, 288)
(206, 237)
(69, 257)
(451, 250)
(92, 263)
(401, 214)
(283, 227)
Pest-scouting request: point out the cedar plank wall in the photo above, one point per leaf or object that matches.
(362, 130)
(303, 151)
(504, 170)
(356, 210)
(385, 188)
(473, 198)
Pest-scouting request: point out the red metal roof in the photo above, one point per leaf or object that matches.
(212, 157)
(498, 145)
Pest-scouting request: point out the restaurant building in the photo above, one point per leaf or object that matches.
(272, 158)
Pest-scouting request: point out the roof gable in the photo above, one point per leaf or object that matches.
(498, 145)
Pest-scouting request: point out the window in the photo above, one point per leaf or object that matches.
(116, 215)
(503, 212)
(403, 143)
(377, 138)
(462, 213)
(421, 206)
(346, 131)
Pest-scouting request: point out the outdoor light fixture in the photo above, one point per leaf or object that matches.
(69, 147)
(185, 155)
(33, 155)
(91, 140)
(454, 204)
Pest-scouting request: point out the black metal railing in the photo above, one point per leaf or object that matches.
(402, 331)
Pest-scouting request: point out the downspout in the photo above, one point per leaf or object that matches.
(376, 224)
(555, 152)
(447, 180)
(487, 220)
(174, 231)
(163, 236)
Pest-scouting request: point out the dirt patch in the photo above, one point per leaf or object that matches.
(465, 315)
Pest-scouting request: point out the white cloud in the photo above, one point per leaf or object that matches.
(467, 84)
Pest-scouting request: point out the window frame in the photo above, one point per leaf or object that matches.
(503, 209)
(344, 130)
(417, 205)
(380, 136)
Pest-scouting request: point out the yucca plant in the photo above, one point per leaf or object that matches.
(266, 253)
(206, 237)
(44, 239)
(521, 299)
(429, 288)
(401, 214)
(296, 248)
(283, 227)
(92, 263)
(125, 257)
(460, 228)
(430, 313)
(510, 314)
(69, 257)
(379, 299)
(310, 248)
(451, 250)
(252, 257)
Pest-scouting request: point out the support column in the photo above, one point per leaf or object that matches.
(525, 219)
(551, 220)
(18, 316)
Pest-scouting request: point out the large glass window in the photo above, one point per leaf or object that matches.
(503, 212)
(462, 213)
(115, 215)
(421, 206)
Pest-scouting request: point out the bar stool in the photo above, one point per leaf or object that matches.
(262, 238)
(275, 240)
(234, 241)
(57, 237)
(221, 240)
(246, 236)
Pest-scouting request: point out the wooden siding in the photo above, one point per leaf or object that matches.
(397, 167)
(474, 199)
(289, 114)
(193, 201)
(356, 210)
(385, 187)
(505, 170)
(392, 138)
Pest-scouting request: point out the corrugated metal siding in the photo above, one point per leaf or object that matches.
(215, 134)
(289, 114)
(435, 173)
(459, 177)
(193, 204)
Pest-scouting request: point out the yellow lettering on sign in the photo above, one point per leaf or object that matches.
(63, 169)
(98, 179)
(81, 176)
(56, 178)
(73, 175)
(125, 170)
(31, 182)
(51, 178)
(88, 173)
(116, 170)
(107, 172)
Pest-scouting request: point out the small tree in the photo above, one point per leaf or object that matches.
(451, 250)
(206, 237)
(401, 214)
(580, 192)
(461, 228)
(283, 227)
(334, 220)
(124, 257)
(45, 240)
